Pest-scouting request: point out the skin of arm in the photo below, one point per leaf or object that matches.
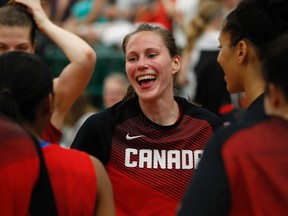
(76, 75)
(104, 199)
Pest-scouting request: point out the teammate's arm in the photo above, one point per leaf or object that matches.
(104, 199)
(76, 75)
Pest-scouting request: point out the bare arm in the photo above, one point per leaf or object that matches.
(104, 199)
(76, 75)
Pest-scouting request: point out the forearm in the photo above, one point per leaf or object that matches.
(75, 49)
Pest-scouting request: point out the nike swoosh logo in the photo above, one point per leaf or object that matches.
(128, 137)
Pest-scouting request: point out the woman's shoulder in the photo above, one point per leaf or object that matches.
(196, 111)
(56, 153)
(119, 112)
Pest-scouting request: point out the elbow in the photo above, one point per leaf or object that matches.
(91, 55)
(90, 59)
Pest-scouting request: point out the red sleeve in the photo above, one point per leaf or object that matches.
(51, 134)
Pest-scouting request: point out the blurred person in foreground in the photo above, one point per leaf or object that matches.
(25, 187)
(243, 169)
(28, 99)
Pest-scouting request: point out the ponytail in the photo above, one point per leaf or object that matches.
(8, 105)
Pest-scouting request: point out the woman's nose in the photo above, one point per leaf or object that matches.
(142, 63)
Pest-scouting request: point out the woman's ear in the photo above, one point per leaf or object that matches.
(176, 64)
(242, 51)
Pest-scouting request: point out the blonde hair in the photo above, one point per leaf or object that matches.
(208, 11)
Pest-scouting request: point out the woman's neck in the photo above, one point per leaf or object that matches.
(254, 82)
(162, 112)
(32, 130)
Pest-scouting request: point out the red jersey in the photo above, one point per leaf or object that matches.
(19, 168)
(244, 169)
(255, 160)
(51, 134)
(149, 165)
(73, 180)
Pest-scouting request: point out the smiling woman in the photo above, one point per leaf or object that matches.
(152, 141)
(151, 69)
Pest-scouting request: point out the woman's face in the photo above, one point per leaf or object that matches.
(15, 39)
(150, 68)
(228, 60)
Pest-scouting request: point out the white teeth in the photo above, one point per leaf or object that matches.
(146, 77)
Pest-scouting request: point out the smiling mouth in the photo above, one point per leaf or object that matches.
(146, 79)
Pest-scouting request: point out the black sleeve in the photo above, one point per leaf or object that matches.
(95, 136)
(208, 192)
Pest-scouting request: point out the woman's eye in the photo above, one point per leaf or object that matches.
(132, 59)
(151, 55)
